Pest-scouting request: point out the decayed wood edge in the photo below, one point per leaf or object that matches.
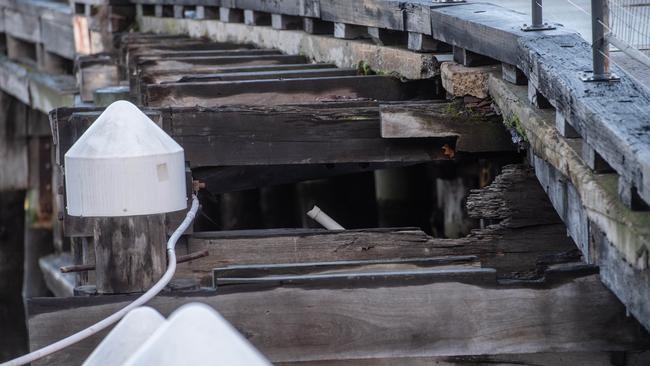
(628, 230)
(622, 251)
(341, 52)
(473, 132)
(40, 91)
(366, 322)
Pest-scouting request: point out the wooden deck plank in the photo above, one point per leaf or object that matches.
(265, 92)
(172, 75)
(366, 322)
(276, 74)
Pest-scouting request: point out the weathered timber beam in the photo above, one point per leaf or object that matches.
(473, 132)
(305, 90)
(218, 51)
(138, 56)
(180, 62)
(358, 266)
(329, 133)
(366, 322)
(138, 84)
(309, 8)
(261, 75)
(172, 75)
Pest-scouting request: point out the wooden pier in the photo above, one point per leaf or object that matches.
(496, 206)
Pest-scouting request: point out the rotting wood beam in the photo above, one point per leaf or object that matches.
(172, 75)
(473, 132)
(303, 90)
(619, 236)
(329, 128)
(586, 318)
(276, 74)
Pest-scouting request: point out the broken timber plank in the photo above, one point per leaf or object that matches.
(270, 135)
(172, 75)
(260, 75)
(265, 270)
(472, 131)
(303, 90)
(362, 322)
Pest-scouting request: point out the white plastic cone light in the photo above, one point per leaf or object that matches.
(125, 339)
(196, 334)
(124, 165)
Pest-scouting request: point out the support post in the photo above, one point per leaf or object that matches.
(599, 45)
(537, 18)
(130, 253)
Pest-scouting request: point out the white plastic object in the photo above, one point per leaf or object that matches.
(127, 336)
(115, 317)
(322, 218)
(196, 334)
(124, 165)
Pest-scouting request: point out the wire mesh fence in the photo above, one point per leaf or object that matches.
(629, 22)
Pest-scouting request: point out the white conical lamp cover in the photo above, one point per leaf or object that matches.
(124, 165)
(196, 335)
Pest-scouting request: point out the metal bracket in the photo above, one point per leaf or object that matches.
(590, 77)
(534, 28)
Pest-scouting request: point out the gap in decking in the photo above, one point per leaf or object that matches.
(429, 196)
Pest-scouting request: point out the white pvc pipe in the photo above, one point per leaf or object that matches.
(322, 218)
(103, 324)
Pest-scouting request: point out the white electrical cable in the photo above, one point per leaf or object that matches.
(322, 218)
(103, 324)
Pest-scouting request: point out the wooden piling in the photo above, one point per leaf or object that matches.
(130, 253)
